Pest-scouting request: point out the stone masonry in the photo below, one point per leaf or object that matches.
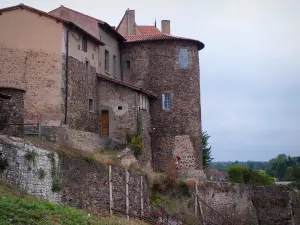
(37, 72)
(12, 111)
(155, 67)
(82, 86)
(82, 184)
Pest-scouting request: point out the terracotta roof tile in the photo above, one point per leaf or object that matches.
(131, 86)
(159, 37)
(148, 30)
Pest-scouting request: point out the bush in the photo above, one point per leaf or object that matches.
(243, 175)
(136, 144)
(30, 156)
(89, 159)
(56, 186)
(184, 189)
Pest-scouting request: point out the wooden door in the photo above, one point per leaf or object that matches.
(105, 123)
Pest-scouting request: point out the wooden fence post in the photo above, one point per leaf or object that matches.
(127, 193)
(196, 198)
(110, 190)
(142, 199)
(39, 130)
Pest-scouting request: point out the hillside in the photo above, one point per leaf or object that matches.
(16, 207)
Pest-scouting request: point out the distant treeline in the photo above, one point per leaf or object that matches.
(254, 165)
(283, 167)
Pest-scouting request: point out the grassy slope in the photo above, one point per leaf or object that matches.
(18, 208)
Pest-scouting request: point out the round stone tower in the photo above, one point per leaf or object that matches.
(169, 67)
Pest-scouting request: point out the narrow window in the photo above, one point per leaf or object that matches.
(91, 105)
(166, 101)
(106, 66)
(143, 102)
(84, 44)
(86, 66)
(183, 58)
(114, 65)
(128, 64)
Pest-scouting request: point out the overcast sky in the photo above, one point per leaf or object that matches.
(250, 67)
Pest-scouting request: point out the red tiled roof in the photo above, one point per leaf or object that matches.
(148, 30)
(58, 18)
(159, 37)
(131, 86)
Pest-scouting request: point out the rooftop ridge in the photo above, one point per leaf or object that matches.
(101, 21)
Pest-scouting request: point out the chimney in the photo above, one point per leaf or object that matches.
(165, 26)
(131, 28)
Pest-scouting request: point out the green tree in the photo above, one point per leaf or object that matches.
(206, 150)
(241, 174)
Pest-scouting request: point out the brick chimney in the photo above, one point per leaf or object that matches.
(165, 26)
(130, 20)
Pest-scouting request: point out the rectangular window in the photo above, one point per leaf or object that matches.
(91, 105)
(106, 66)
(183, 58)
(128, 64)
(114, 66)
(166, 101)
(86, 66)
(84, 44)
(144, 102)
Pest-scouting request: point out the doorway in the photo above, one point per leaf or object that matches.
(105, 123)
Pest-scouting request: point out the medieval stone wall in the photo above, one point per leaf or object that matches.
(145, 159)
(12, 111)
(72, 181)
(222, 203)
(157, 67)
(37, 72)
(82, 86)
(85, 184)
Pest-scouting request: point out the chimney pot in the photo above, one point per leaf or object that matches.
(166, 26)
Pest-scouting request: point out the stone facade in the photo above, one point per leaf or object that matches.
(82, 86)
(12, 111)
(122, 105)
(63, 85)
(30, 60)
(156, 67)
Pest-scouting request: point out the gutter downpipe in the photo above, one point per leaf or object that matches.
(67, 79)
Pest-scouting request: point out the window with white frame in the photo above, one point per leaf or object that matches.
(166, 101)
(144, 102)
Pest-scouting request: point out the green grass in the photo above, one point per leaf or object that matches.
(18, 208)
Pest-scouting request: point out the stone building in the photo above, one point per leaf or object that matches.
(78, 72)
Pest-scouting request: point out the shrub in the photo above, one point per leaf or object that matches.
(136, 144)
(30, 156)
(56, 185)
(240, 174)
(184, 189)
(89, 159)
